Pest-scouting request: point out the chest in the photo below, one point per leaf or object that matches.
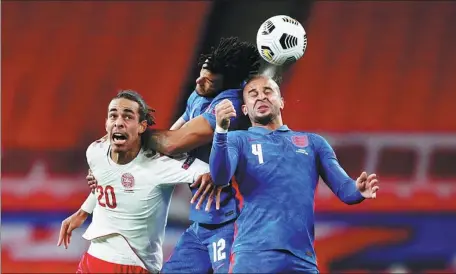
(276, 155)
(126, 189)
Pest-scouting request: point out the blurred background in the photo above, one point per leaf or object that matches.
(377, 79)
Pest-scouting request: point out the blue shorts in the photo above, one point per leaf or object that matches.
(202, 249)
(269, 261)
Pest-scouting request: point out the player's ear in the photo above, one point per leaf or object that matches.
(244, 110)
(106, 125)
(142, 127)
(282, 103)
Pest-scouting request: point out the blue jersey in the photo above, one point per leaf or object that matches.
(198, 105)
(277, 173)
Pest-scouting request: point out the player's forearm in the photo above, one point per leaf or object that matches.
(178, 124)
(221, 165)
(349, 194)
(343, 186)
(196, 133)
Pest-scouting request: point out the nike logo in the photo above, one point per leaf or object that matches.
(303, 151)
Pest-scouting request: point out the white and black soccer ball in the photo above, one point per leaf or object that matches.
(281, 40)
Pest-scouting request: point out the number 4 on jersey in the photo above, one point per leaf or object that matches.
(257, 151)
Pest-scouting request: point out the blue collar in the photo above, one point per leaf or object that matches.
(263, 130)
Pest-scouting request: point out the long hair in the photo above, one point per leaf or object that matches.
(146, 113)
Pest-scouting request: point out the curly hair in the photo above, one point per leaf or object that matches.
(233, 59)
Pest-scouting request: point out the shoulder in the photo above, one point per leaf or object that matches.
(309, 138)
(96, 152)
(233, 95)
(193, 96)
(97, 147)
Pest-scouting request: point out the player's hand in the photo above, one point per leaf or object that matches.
(368, 185)
(206, 187)
(91, 181)
(223, 112)
(70, 224)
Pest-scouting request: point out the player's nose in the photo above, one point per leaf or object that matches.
(200, 80)
(118, 123)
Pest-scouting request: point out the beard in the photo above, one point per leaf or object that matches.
(266, 119)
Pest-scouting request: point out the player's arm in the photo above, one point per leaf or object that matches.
(223, 160)
(178, 124)
(184, 118)
(76, 220)
(225, 148)
(196, 132)
(334, 175)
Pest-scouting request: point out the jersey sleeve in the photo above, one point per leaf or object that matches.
(186, 115)
(333, 174)
(89, 204)
(209, 114)
(224, 157)
(182, 171)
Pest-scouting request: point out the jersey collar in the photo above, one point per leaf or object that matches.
(263, 130)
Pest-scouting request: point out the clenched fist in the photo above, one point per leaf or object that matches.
(223, 112)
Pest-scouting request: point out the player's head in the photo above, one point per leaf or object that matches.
(227, 66)
(128, 119)
(262, 100)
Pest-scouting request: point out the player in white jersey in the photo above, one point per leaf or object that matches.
(135, 184)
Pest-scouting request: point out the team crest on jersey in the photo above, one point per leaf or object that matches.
(300, 141)
(128, 182)
(188, 162)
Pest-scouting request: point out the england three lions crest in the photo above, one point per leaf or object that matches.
(300, 140)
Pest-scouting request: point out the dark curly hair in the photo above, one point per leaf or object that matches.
(145, 113)
(233, 59)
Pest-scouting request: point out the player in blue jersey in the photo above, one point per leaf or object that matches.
(204, 247)
(277, 171)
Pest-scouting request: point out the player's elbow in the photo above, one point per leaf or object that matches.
(171, 149)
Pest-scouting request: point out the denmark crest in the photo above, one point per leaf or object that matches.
(128, 181)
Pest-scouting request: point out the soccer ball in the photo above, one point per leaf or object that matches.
(281, 40)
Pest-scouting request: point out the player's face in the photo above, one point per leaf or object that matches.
(208, 83)
(123, 126)
(262, 100)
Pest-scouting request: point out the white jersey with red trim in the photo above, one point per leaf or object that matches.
(132, 203)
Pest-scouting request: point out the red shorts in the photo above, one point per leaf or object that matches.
(91, 264)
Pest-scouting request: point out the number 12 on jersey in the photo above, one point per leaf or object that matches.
(258, 151)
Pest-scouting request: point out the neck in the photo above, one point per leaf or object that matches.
(272, 125)
(125, 157)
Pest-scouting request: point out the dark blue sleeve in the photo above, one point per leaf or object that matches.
(334, 175)
(224, 158)
(209, 115)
